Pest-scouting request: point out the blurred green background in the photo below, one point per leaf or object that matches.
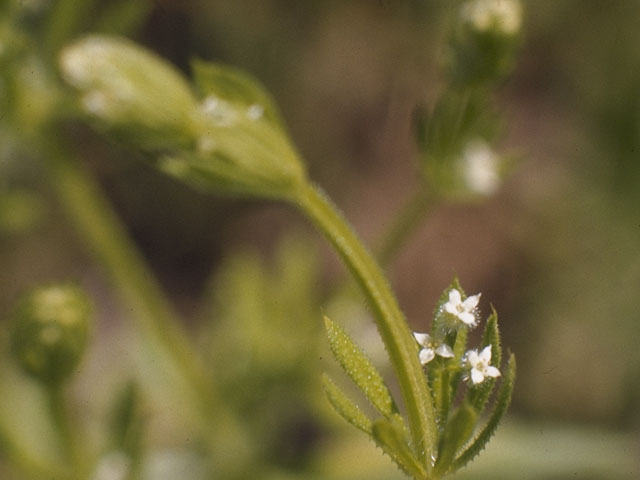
(556, 251)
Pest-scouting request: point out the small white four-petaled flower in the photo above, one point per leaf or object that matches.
(430, 348)
(480, 364)
(464, 311)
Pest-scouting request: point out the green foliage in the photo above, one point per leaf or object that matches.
(345, 406)
(502, 403)
(393, 442)
(458, 429)
(356, 364)
(252, 391)
(236, 87)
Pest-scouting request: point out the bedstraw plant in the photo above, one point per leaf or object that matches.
(222, 132)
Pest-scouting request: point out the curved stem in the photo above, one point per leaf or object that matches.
(389, 319)
(405, 224)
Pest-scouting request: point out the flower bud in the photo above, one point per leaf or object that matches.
(498, 16)
(242, 146)
(130, 91)
(483, 46)
(49, 332)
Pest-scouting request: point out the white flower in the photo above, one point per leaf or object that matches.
(430, 348)
(464, 311)
(480, 168)
(503, 16)
(480, 364)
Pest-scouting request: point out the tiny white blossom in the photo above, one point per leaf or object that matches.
(480, 364)
(480, 168)
(503, 16)
(430, 348)
(464, 311)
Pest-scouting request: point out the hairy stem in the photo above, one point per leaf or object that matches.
(390, 320)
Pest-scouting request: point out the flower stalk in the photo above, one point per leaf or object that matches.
(391, 323)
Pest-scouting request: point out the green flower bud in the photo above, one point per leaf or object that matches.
(242, 146)
(49, 332)
(484, 44)
(130, 91)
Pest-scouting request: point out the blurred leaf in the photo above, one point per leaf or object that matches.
(345, 407)
(127, 423)
(457, 431)
(122, 17)
(356, 364)
(394, 443)
(234, 86)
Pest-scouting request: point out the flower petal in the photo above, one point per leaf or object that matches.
(485, 355)
(444, 351)
(471, 302)
(468, 318)
(422, 338)
(476, 376)
(454, 297)
(426, 355)
(491, 371)
(472, 357)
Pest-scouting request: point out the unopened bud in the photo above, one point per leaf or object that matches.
(242, 146)
(50, 331)
(130, 91)
(498, 16)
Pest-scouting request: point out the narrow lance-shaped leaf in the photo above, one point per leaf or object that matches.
(356, 364)
(236, 87)
(491, 336)
(502, 404)
(459, 347)
(394, 443)
(345, 406)
(456, 433)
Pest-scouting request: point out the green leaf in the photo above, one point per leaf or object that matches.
(394, 443)
(480, 395)
(234, 86)
(345, 406)
(457, 431)
(500, 408)
(491, 336)
(356, 364)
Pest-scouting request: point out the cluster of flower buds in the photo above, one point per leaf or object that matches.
(223, 135)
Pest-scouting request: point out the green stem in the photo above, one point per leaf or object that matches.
(160, 326)
(62, 422)
(102, 231)
(390, 321)
(405, 224)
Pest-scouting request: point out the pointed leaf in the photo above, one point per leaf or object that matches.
(491, 336)
(457, 431)
(394, 443)
(356, 364)
(234, 86)
(345, 406)
(501, 406)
